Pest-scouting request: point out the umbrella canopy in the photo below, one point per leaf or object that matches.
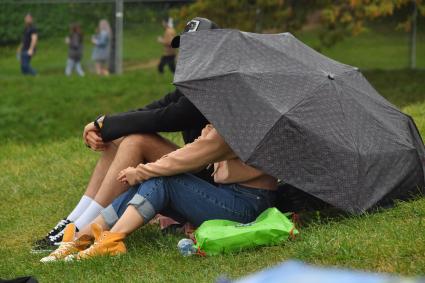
(306, 119)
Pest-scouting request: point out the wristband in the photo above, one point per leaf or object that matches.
(98, 122)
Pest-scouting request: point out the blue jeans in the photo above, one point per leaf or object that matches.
(26, 68)
(186, 197)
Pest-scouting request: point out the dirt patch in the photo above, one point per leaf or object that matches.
(142, 65)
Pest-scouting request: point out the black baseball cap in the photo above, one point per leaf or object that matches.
(195, 24)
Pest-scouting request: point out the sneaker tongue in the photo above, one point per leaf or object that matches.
(97, 231)
(69, 233)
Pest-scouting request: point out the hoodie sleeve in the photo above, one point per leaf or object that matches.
(166, 100)
(171, 114)
(210, 147)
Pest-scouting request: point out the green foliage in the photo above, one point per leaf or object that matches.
(54, 19)
(342, 18)
(50, 19)
(248, 15)
(338, 19)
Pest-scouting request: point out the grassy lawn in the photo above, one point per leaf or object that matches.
(45, 167)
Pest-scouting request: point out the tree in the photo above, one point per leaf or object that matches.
(347, 17)
(249, 15)
(339, 18)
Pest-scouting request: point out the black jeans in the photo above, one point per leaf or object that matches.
(167, 60)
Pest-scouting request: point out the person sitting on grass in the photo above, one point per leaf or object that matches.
(167, 186)
(127, 139)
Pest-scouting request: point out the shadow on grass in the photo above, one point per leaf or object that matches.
(329, 214)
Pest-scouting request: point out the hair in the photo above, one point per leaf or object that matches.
(76, 28)
(170, 23)
(104, 26)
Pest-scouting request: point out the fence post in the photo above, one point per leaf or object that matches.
(119, 18)
(413, 31)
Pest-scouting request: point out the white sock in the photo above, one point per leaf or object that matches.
(89, 215)
(80, 208)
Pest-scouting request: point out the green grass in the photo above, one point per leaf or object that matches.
(45, 167)
(383, 49)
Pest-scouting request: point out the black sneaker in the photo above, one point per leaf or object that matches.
(52, 239)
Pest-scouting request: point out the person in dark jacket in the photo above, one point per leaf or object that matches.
(75, 50)
(26, 49)
(128, 139)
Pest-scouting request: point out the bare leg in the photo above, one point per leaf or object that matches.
(87, 229)
(105, 71)
(129, 151)
(98, 68)
(129, 221)
(132, 151)
(101, 169)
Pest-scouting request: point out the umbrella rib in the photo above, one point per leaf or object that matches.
(356, 147)
(365, 93)
(203, 78)
(377, 118)
(299, 102)
(300, 44)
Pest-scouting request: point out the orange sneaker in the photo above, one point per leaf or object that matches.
(106, 244)
(68, 245)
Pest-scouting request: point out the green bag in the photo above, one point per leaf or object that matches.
(222, 236)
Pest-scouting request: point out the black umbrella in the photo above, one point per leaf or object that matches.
(306, 119)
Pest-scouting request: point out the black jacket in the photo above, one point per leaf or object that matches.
(173, 113)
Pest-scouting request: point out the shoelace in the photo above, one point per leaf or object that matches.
(62, 249)
(88, 250)
(61, 224)
(57, 236)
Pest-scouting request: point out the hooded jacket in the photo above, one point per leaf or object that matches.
(208, 148)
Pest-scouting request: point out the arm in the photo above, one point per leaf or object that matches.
(166, 100)
(207, 149)
(176, 116)
(34, 39)
(168, 37)
(102, 39)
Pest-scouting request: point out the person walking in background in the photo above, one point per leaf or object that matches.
(75, 50)
(26, 49)
(169, 55)
(102, 48)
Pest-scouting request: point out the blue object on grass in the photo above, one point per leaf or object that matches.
(298, 272)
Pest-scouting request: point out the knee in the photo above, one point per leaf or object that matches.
(153, 183)
(153, 188)
(139, 140)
